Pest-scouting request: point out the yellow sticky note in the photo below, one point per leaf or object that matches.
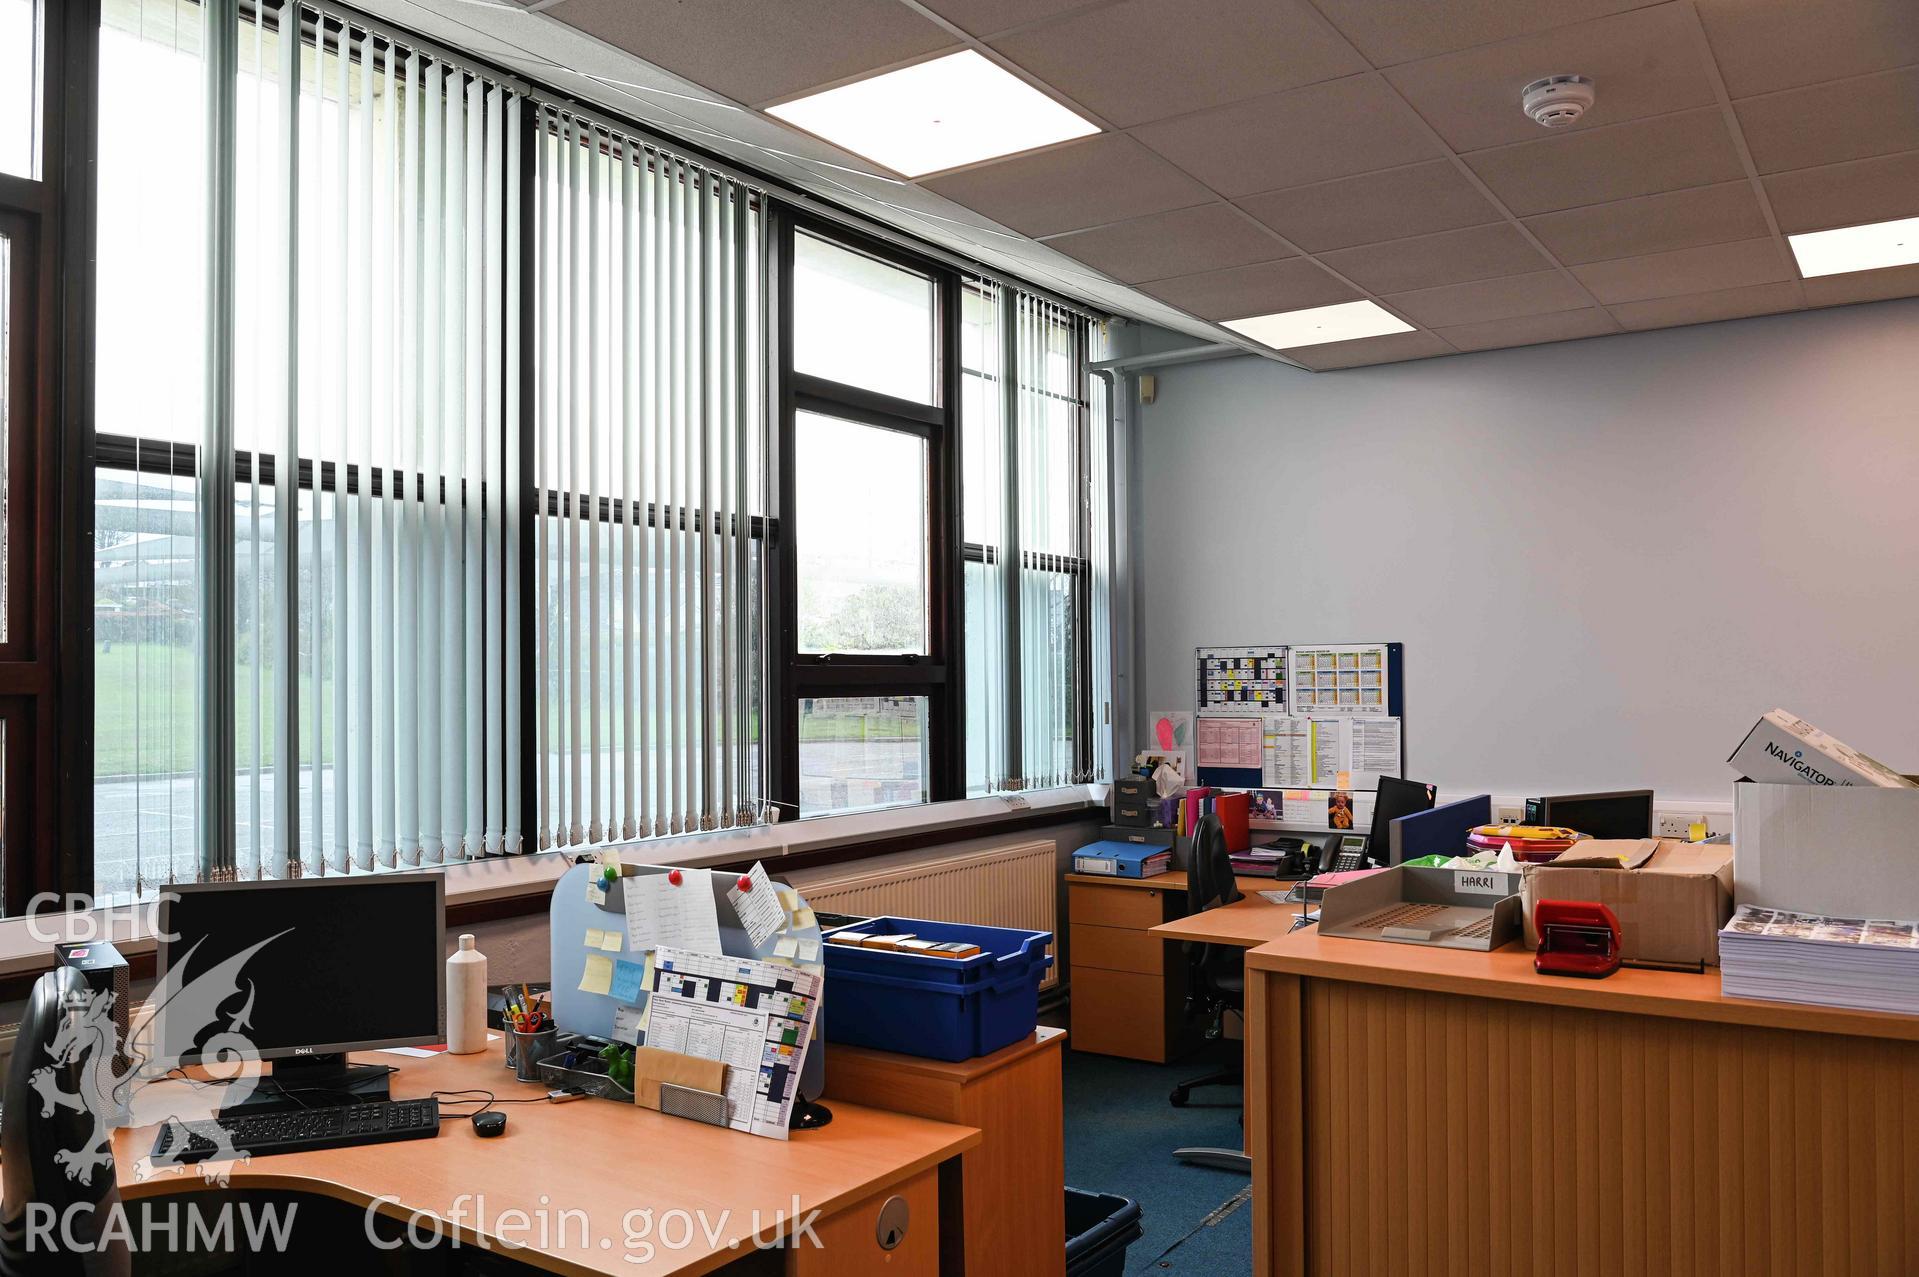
(595, 938)
(598, 977)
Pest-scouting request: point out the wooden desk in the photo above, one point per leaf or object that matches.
(1015, 1179)
(1461, 1113)
(1128, 994)
(1248, 922)
(608, 1161)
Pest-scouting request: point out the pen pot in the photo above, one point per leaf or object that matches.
(526, 1050)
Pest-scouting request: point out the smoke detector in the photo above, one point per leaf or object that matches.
(1557, 100)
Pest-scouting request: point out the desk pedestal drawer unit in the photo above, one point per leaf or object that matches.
(1128, 986)
(1015, 1179)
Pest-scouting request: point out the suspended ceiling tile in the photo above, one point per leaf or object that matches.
(1833, 122)
(1349, 126)
(1183, 242)
(1863, 286)
(1597, 166)
(1530, 330)
(987, 17)
(1652, 223)
(1766, 45)
(1399, 32)
(1450, 257)
(757, 51)
(1642, 63)
(1103, 179)
(1390, 349)
(1143, 60)
(1705, 308)
(1540, 293)
(1685, 270)
(1875, 190)
(1265, 289)
(1419, 199)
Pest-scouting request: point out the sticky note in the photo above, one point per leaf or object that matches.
(809, 950)
(628, 1024)
(594, 896)
(598, 977)
(627, 980)
(609, 940)
(787, 947)
(804, 918)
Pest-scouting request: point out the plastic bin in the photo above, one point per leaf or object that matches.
(1099, 1228)
(939, 1008)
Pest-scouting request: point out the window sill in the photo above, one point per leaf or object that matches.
(508, 878)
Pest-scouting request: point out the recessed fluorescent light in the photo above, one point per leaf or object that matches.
(1343, 322)
(1850, 248)
(959, 109)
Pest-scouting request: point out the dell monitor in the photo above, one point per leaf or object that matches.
(1394, 798)
(1627, 814)
(303, 972)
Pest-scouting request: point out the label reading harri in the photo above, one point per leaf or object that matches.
(1478, 884)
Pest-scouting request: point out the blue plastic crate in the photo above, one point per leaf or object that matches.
(939, 1008)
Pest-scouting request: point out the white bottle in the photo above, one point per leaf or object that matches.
(466, 999)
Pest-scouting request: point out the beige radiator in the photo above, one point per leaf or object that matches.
(1013, 886)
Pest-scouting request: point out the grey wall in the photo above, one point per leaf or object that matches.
(1605, 558)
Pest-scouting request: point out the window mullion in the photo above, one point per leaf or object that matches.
(1011, 559)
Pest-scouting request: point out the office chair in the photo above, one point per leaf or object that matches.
(31, 1134)
(1216, 979)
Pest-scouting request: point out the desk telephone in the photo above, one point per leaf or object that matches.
(1322, 853)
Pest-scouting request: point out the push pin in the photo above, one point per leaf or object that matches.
(745, 883)
(673, 876)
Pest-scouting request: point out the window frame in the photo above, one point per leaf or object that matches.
(938, 675)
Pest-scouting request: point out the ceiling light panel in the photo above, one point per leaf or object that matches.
(1850, 248)
(937, 115)
(1343, 322)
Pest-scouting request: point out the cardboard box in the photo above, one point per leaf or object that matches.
(1783, 748)
(1847, 852)
(1671, 897)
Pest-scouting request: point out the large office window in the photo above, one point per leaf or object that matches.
(304, 503)
(650, 471)
(869, 427)
(1037, 459)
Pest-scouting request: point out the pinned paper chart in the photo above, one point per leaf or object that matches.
(682, 914)
(757, 904)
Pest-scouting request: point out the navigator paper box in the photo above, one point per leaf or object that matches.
(1786, 749)
(1670, 897)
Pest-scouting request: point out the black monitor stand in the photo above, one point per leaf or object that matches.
(316, 1081)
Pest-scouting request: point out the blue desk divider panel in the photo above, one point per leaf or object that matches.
(1441, 831)
(570, 916)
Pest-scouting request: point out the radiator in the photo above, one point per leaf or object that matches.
(1007, 887)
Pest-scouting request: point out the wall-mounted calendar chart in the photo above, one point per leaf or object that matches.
(1248, 679)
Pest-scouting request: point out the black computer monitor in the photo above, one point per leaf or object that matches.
(1395, 798)
(304, 971)
(1626, 814)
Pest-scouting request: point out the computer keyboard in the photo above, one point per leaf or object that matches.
(297, 1130)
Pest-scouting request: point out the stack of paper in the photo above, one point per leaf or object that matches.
(1865, 964)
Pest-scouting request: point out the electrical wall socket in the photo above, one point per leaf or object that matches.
(1672, 825)
(1508, 815)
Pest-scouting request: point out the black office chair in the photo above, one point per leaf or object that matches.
(31, 1133)
(1216, 978)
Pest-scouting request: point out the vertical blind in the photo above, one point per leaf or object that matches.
(1037, 455)
(650, 478)
(376, 301)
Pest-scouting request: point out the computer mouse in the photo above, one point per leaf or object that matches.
(487, 1125)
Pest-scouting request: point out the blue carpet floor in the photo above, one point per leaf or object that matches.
(1120, 1137)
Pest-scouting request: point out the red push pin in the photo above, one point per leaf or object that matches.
(673, 876)
(746, 883)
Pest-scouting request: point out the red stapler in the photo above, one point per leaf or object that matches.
(1576, 937)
